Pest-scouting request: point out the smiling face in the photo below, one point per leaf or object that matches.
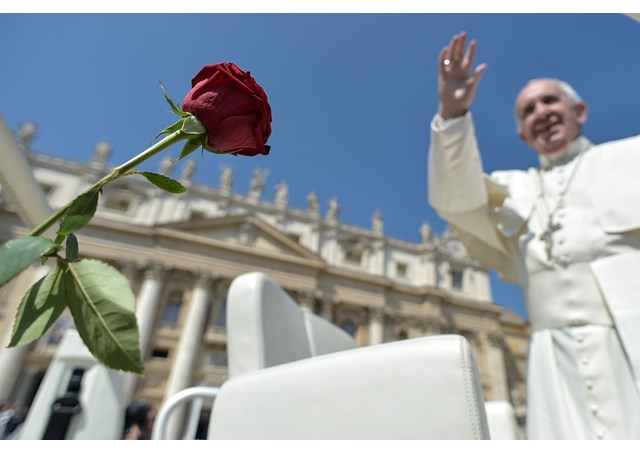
(549, 118)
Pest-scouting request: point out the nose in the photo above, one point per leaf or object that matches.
(541, 111)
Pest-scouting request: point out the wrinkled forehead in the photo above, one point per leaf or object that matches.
(537, 89)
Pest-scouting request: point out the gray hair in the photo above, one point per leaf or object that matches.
(567, 89)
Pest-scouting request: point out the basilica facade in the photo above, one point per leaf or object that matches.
(181, 252)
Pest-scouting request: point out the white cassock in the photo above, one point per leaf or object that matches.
(581, 286)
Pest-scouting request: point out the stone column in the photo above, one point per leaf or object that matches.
(187, 349)
(155, 209)
(331, 248)
(376, 326)
(327, 309)
(12, 359)
(314, 238)
(147, 303)
(494, 342)
(378, 258)
(468, 282)
(484, 285)
(444, 275)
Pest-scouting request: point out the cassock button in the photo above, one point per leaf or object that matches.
(585, 360)
(580, 338)
(600, 434)
(594, 409)
(589, 385)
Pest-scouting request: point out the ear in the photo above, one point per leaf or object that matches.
(582, 111)
(521, 135)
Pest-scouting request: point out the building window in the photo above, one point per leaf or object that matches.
(401, 269)
(119, 203)
(161, 353)
(294, 237)
(349, 326)
(47, 188)
(222, 314)
(196, 214)
(353, 256)
(218, 358)
(456, 279)
(402, 335)
(171, 312)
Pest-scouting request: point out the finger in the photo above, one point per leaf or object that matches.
(444, 56)
(467, 62)
(459, 52)
(477, 75)
(480, 70)
(453, 48)
(452, 44)
(475, 80)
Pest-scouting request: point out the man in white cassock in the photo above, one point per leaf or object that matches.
(568, 233)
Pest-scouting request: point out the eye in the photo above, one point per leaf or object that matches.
(528, 110)
(550, 99)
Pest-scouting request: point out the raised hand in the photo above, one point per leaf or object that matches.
(456, 83)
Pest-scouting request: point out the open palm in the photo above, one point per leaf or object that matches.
(457, 84)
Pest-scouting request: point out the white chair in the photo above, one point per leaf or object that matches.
(425, 388)
(265, 327)
(295, 375)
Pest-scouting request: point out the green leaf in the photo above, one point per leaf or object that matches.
(193, 126)
(177, 110)
(189, 147)
(103, 308)
(163, 182)
(39, 309)
(171, 129)
(19, 254)
(72, 248)
(80, 212)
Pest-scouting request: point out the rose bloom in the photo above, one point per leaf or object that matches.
(232, 107)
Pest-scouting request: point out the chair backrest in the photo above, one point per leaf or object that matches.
(425, 388)
(502, 420)
(100, 395)
(265, 327)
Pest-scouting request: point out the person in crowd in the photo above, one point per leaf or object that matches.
(138, 422)
(13, 425)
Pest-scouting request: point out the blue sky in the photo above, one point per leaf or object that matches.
(352, 94)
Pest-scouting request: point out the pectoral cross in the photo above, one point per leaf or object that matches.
(547, 236)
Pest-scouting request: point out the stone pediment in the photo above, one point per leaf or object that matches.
(245, 231)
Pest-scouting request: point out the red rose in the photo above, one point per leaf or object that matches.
(232, 107)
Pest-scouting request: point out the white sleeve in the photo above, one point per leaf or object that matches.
(439, 124)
